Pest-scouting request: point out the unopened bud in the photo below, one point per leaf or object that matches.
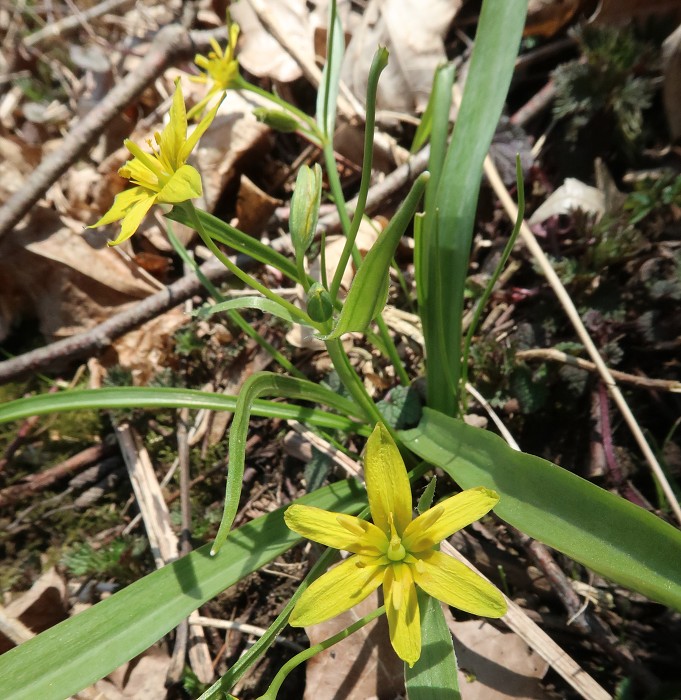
(305, 208)
(319, 304)
(277, 119)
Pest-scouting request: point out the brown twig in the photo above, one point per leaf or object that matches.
(634, 379)
(38, 482)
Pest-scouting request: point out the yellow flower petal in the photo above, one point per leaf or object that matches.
(201, 127)
(454, 513)
(184, 184)
(454, 583)
(174, 134)
(336, 530)
(136, 171)
(336, 591)
(387, 483)
(402, 611)
(133, 218)
(123, 202)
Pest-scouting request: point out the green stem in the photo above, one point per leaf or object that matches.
(391, 351)
(378, 64)
(351, 380)
(303, 656)
(233, 315)
(244, 276)
(311, 131)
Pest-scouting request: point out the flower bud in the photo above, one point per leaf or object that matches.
(277, 119)
(305, 208)
(319, 304)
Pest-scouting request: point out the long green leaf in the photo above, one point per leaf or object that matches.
(143, 397)
(327, 95)
(445, 264)
(434, 675)
(369, 290)
(71, 655)
(610, 535)
(238, 240)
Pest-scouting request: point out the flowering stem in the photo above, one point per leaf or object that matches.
(240, 274)
(351, 380)
(233, 314)
(303, 656)
(310, 130)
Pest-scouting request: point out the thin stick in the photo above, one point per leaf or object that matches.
(571, 311)
(633, 379)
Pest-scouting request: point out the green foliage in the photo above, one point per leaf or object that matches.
(113, 560)
(653, 194)
(609, 81)
(401, 408)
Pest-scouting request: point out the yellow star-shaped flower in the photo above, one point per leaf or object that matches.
(160, 176)
(221, 69)
(396, 551)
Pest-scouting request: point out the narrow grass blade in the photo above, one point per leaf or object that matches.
(143, 397)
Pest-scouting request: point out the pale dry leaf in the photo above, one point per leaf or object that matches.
(413, 31)
(68, 281)
(253, 207)
(671, 69)
(362, 666)
(571, 195)
(500, 663)
(149, 348)
(235, 138)
(260, 53)
(143, 677)
(39, 608)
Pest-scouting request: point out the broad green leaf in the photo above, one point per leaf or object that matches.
(75, 653)
(609, 534)
(438, 107)
(434, 675)
(260, 303)
(369, 290)
(143, 397)
(450, 213)
(238, 240)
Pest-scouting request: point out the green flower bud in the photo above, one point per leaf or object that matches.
(319, 304)
(305, 208)
(277, 119)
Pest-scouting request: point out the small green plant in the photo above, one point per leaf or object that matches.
(609, 82)
(595, 527)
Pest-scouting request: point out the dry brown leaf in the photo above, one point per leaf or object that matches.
(260, 53)
(149, 348)
(546, 17)
(39, 608)
(143, 677)
(253, 207)
(413, 31)
(235, 137)
(362, 666)
(68, 281)
(500, 663)
(623, 11)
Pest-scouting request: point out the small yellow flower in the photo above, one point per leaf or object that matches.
(160, 176)
(396, 551)
(221, 69)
